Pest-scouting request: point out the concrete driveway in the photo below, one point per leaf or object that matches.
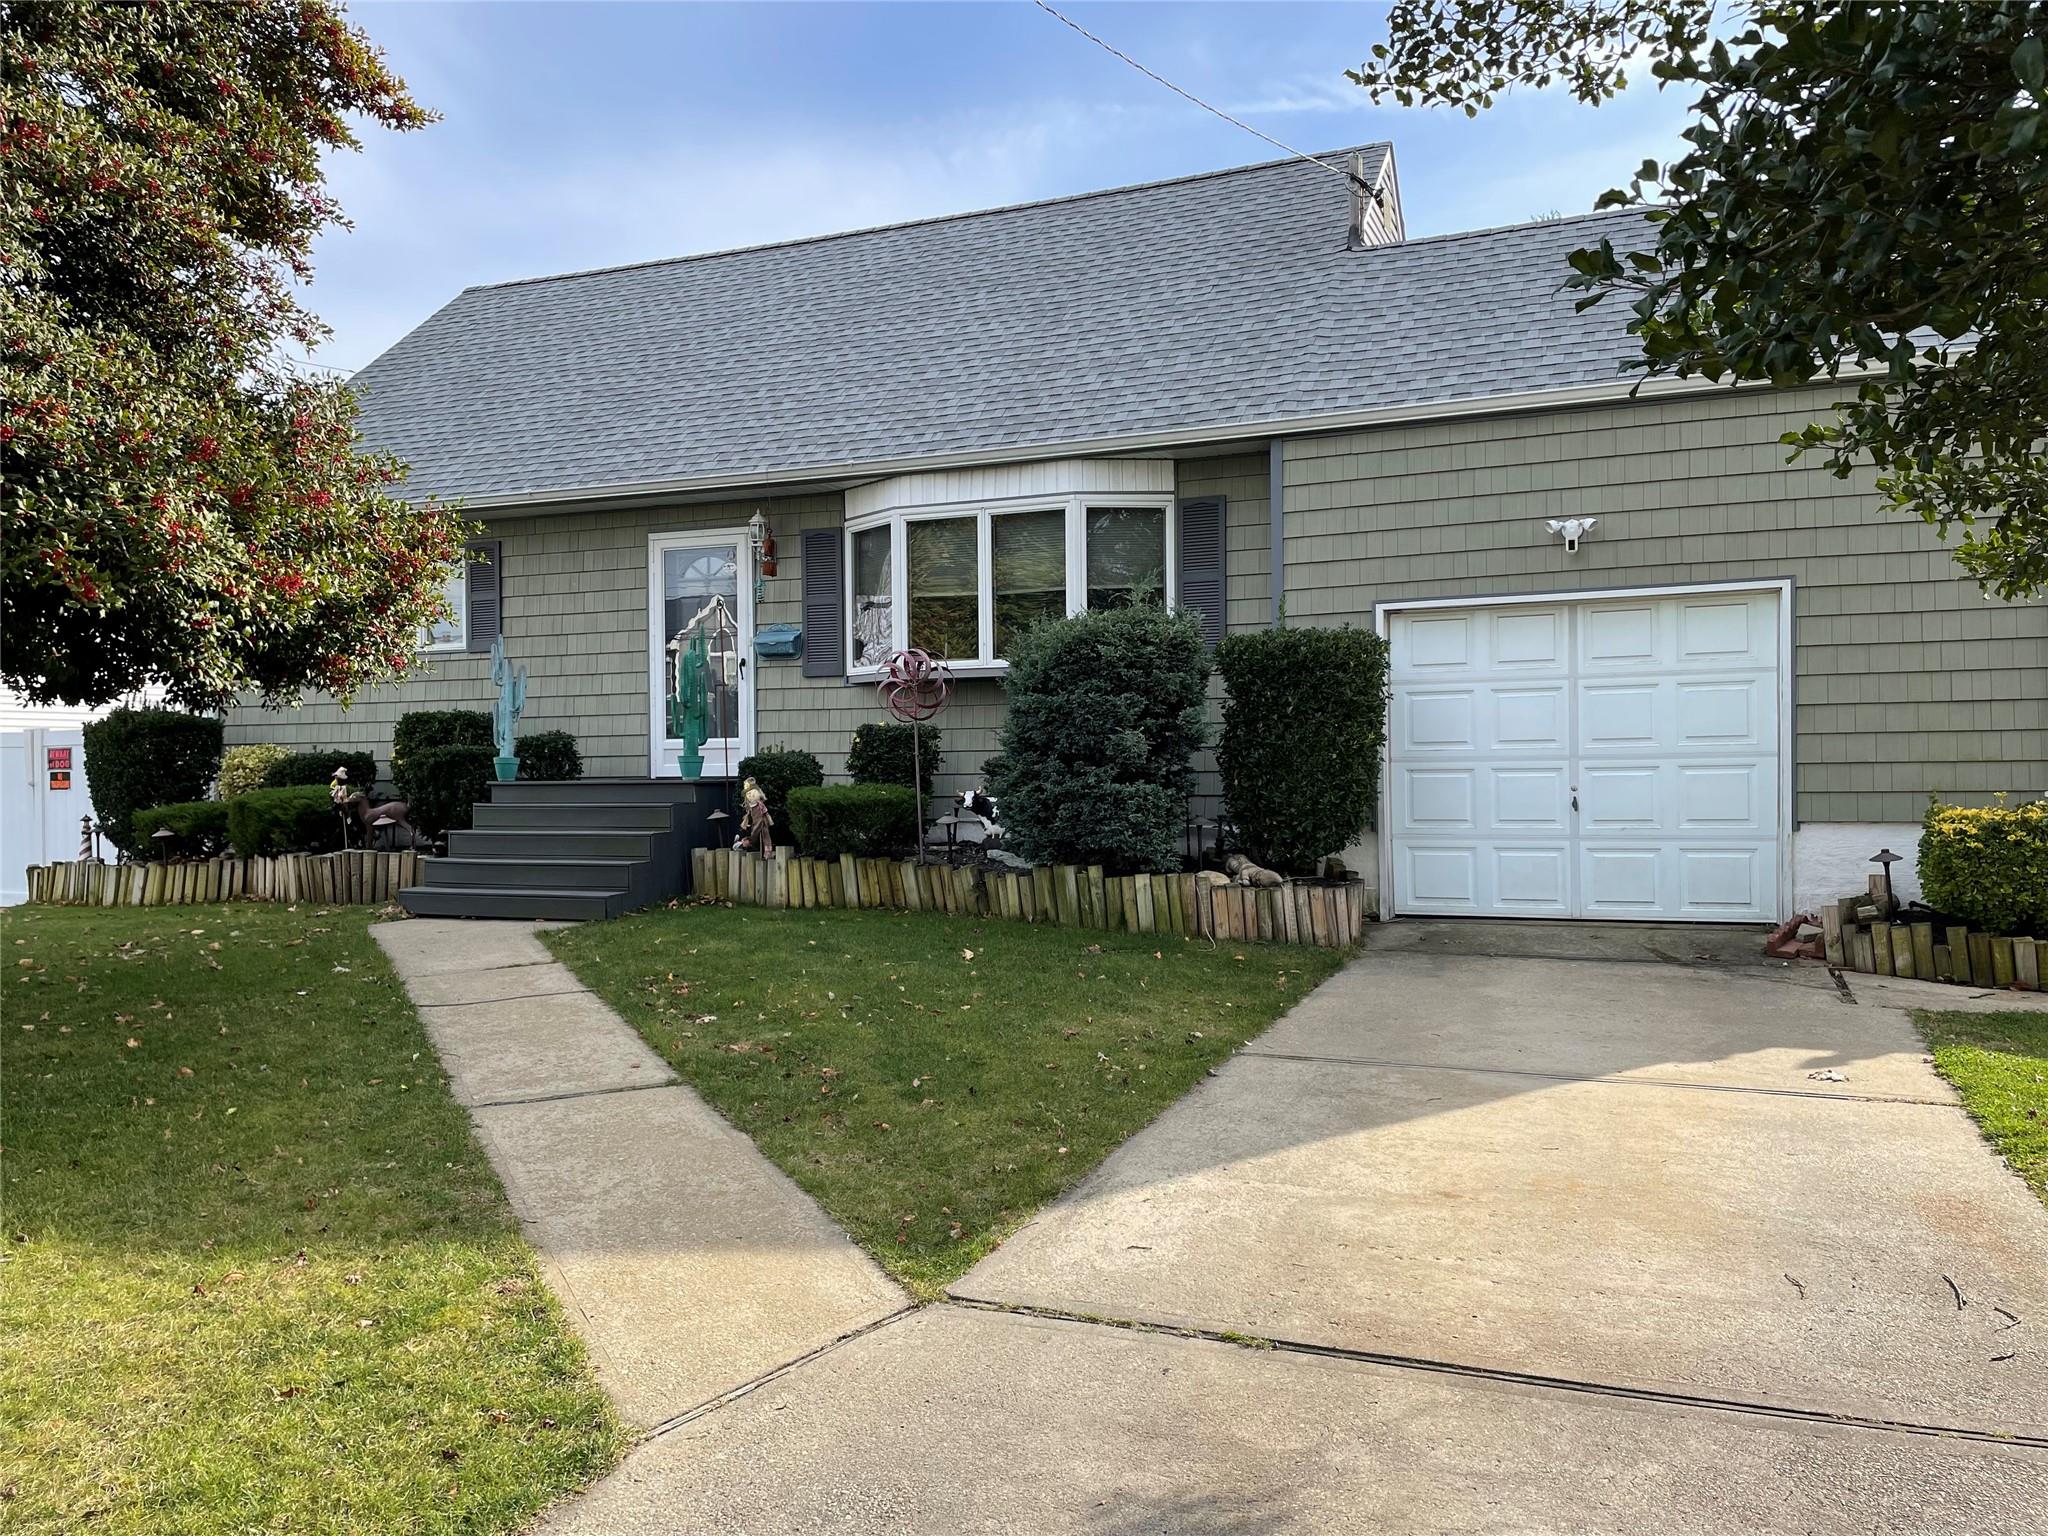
(1487, 1235)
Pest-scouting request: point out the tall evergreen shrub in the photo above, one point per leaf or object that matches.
(137, 758)
(1303, 725)
(1106, 713)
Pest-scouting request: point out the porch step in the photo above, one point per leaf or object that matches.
(511, 901)
(570, 848)
(550, 874)
(543, 815)
(551, 842)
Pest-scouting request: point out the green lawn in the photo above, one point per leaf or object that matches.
(932, 1081)
(1999, 1064)
(256, 1274)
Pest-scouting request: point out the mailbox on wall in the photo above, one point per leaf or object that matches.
(779, 640)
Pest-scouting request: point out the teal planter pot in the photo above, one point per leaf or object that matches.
(508, 769)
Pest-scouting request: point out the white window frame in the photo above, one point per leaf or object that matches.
(428, 645)
(983, 510)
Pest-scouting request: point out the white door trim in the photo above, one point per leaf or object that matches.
(1382, 616)
(657, 715)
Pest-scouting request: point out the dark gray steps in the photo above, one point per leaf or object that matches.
(539, 816)
(544, 874)
(512, 901)
(571, 848)
(553, 843)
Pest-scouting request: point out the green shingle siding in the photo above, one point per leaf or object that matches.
(1907, 680)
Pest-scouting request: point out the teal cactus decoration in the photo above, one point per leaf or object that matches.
(689, 707)
(506, 712)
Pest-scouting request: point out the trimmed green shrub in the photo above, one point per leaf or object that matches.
(198, 828)
(779, 770)
(299, 818)
(137, 758)
(1106, 712)
(1987, 865)
(881, 754)
(443, 784)
(1303, 723)
(548, 755)
(866, 820)
(318, 768)
(423, 730)
(242, 768)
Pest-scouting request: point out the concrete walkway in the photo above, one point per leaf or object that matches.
(689, 1264)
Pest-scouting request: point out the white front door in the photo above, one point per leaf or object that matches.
(688, 576)
(1617, 757)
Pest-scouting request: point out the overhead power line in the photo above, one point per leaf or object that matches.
(1154, 75)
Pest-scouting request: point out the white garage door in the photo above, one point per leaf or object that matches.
(1611, 758)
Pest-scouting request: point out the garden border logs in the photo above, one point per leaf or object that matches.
(358, 877)
(1865, 934)
(1319, 913)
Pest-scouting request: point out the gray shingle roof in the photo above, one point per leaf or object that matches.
(1200, 303)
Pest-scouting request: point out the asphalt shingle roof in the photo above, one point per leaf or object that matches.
(1205, 302)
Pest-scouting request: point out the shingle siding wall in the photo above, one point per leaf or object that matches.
(1907, 682)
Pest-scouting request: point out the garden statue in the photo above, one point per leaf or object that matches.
(383, 823)
(914, 687)
(506, 712)
(689, 707)
(1245, 872)
(757, 826)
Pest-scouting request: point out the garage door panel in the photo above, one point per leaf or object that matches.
(1615, 715)
(1632, 636)
(1533, 879)
(1617, 757)
(1436, 720)
(1438, 800)
(1530, 719)
(1729, 884)
(1725, 712)
(1532, 798)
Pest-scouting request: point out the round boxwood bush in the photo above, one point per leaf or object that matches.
(443, 784)
(242, 768)
(780, 770)
(300, 818)
(865, 820)
(1987, 865)
(1106, 712)
(420, 731)
(318, 768)
(198, 828)
(1303, 723)
(548, 755)
(881, 753)
(137, 758)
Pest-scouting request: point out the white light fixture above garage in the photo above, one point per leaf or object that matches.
(1571, 530)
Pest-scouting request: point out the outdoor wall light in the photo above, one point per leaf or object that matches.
(1571, 530)
(763, 538)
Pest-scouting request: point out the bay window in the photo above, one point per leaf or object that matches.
(964, 582)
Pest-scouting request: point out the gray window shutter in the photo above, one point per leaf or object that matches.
(824, 556)
(485, 568)
(1201, 562)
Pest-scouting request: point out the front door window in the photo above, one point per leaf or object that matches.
(697, 589)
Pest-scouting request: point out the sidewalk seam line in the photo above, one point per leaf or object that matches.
(575, 1093)
(1578, 1077)
(517, 997)
(1817, 1416)
(745, 1388)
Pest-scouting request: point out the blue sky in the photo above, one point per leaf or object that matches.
(583, 135)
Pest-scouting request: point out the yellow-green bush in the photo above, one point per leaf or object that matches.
(1988, 865)
(243, 768)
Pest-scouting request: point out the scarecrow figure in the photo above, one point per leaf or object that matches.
(756, 825)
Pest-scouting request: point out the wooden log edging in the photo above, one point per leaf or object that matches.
(357, 877)
(1855, 938)
(1067, 896)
